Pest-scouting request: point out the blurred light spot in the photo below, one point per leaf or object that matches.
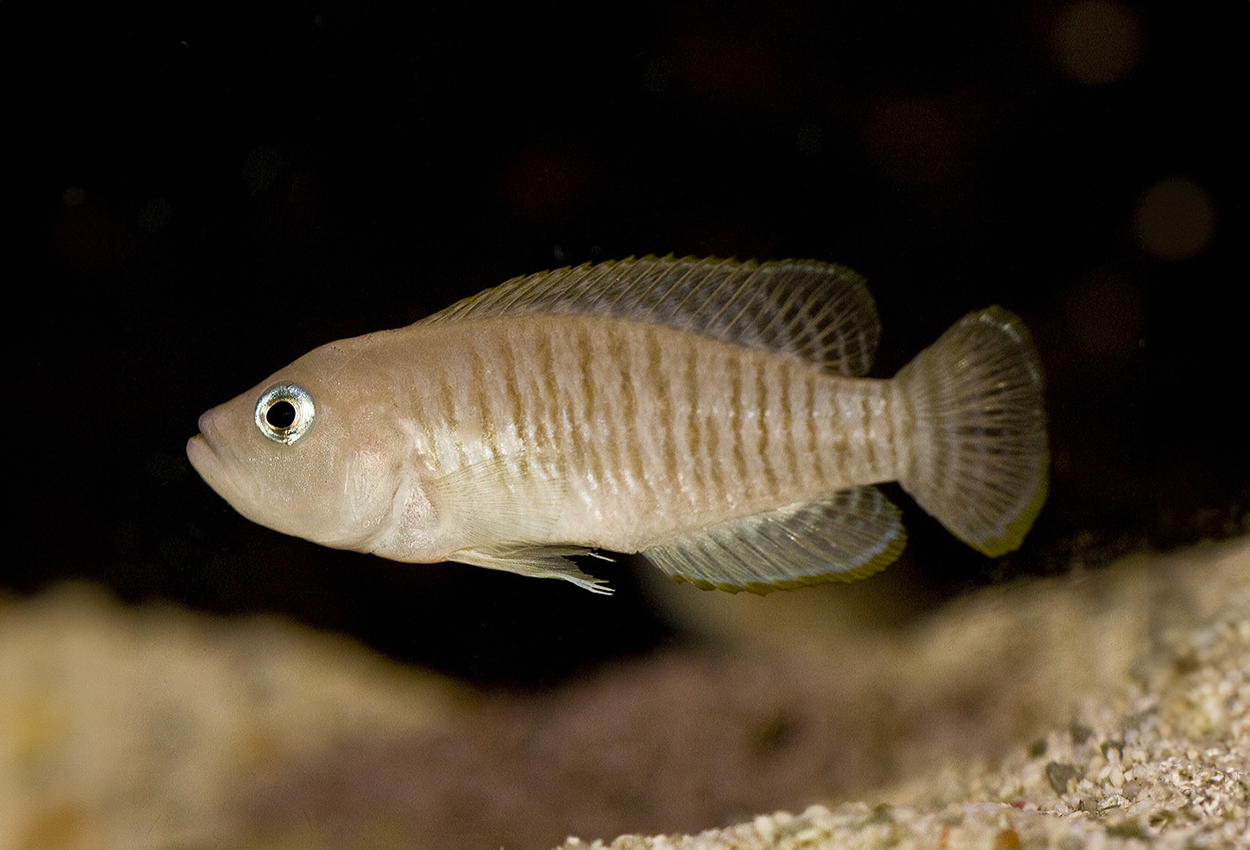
(261, 168)
(655, 74)
(1097, 41)
(547, 183)
(1105, 317)
(88, 232)
(810, 138)
(154, 215)
(911, 140)
(731, 67)
(1174, 219)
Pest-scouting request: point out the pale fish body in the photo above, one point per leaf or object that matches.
(709, 414)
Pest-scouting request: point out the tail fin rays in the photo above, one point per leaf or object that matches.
(979, 456)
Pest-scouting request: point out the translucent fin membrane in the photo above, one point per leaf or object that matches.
(535, 562)
(818, 312)
(980, 453)
(844, 536)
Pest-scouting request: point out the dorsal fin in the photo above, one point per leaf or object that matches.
(818, 312)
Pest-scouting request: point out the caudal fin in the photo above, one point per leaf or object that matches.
(979, 453)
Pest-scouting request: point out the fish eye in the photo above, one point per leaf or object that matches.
(284, 413)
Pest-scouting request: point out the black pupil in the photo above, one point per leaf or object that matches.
(281, 414)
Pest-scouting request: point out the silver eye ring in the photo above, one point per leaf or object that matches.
(284, 413)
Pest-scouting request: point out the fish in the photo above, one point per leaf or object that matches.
(713, 415)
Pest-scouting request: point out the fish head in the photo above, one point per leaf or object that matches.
(313, 451)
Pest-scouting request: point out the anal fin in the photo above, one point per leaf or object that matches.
(843, 536)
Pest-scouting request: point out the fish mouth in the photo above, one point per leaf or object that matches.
(201, 456)
(205, 461)
(214, 466)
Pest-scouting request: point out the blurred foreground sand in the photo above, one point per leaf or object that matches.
(1105, 709)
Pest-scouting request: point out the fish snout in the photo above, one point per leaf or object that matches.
(209, 456)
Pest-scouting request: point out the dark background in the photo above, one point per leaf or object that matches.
(199, 193)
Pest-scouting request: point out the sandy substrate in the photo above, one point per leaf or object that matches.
(1107, 709)
(1161, 758)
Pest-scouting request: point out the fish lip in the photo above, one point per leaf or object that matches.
(205, 461)
(203, 458)
(201, 450)
(215, 466)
